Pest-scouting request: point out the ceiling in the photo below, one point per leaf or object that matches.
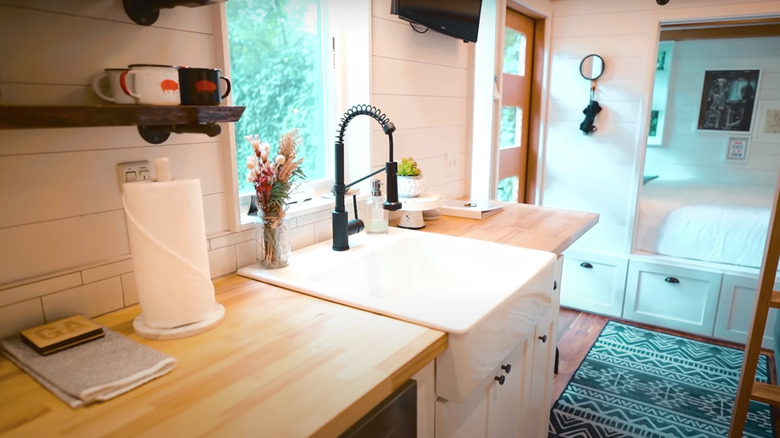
(723, 29)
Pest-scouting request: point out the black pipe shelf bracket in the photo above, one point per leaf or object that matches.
(146, 12)
(158, 134)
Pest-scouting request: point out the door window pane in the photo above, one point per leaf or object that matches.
(514, 52)
(507, 189)
(276, 65)
(511, 127)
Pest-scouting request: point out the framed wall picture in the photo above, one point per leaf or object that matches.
(728, 99)
(656, 132)
(737, 149)
(767, 121)
(664, 58)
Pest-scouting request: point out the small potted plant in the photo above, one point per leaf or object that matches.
(411, 182)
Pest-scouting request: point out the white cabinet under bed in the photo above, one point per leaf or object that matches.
(673, 297)
(594, 283)
(736, 307)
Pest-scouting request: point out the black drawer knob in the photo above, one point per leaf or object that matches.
(671, 280)
(500, 379)
(586, 265)
(507, 368)
(543, 338)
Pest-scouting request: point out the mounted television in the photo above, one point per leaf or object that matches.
(456, 18)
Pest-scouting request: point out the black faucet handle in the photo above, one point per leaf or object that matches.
(355, 225)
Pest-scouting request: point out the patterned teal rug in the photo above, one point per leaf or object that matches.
(640, 383)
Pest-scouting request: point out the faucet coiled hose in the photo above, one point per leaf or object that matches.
(367, 110)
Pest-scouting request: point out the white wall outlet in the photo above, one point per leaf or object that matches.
(133, 171)
(450, 164)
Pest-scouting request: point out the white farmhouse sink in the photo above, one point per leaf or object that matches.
(487, 296)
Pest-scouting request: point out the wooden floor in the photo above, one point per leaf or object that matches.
(576, 333)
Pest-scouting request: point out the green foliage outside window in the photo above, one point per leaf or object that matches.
(276, 73)
(507, 189)
(514, 52)
(508, 127)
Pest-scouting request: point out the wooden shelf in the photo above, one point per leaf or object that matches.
(32, 117)
(155, 123)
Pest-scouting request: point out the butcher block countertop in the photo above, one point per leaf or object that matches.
(527, 226)
(281, 364)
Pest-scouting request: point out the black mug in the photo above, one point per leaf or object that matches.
(200, 86)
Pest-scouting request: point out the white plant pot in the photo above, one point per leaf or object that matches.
(410, 186)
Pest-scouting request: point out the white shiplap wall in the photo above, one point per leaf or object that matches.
(421, 81)
(687, 153)
(601, 172)
(63, 241)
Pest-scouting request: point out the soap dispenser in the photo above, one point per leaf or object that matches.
(377, 215)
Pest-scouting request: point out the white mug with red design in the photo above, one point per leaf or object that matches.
(107, 86)
(152, 84)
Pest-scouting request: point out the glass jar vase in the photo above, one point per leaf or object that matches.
(273, 241)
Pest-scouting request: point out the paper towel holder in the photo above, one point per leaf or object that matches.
(143, 330)
(171, 273)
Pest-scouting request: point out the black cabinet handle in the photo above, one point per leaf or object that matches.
(507, 368)
(671, 280)
(555, 285)
(500, 379)
(543, 338)
(586, 265)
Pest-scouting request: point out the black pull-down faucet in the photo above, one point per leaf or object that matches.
(342, 227)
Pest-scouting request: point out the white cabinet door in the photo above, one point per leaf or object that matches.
(537, 406)
(736, 307)
(498, 408)
(466, 419)
(593, 283)
(672, 297)
(507, 410)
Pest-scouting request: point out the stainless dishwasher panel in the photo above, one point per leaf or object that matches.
(394, 417)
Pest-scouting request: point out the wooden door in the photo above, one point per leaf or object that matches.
(515, 112)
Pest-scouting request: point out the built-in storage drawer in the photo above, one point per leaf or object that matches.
(593, 283)
(672, 297)
(736, 308)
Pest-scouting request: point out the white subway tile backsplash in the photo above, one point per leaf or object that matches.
(20, 316)
(302, 236)
(222, 261)
(107, 271)
(231, 239)
(89, 300)
(245, 253)
(323, 231)
(129, 289)
(314, 217)
(37, 289)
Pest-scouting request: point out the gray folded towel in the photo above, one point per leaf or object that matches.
(95, 371)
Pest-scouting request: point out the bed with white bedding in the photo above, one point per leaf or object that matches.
(707, 222)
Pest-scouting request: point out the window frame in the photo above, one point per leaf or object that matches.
(310, 189)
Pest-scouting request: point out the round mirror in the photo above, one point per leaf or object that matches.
(592, 67)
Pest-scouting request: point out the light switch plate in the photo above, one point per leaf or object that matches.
(133, 171)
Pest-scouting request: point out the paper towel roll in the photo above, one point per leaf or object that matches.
(167, 235)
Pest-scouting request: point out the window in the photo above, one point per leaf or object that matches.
(277, 69)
